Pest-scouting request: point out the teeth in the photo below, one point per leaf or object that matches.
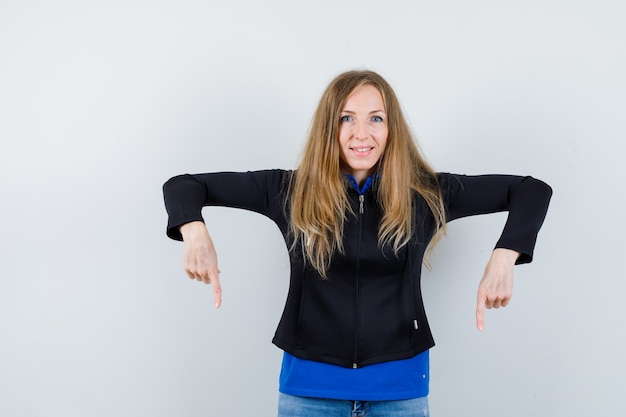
(362, 149)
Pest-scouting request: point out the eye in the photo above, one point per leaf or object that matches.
(346, 119)
(377, 119)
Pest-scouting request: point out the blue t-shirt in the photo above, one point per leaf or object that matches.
(394, 380)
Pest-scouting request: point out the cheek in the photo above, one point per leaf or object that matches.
(382, 138)
(342, 137)
(341, 141)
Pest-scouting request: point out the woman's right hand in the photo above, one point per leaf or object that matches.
(200, 258)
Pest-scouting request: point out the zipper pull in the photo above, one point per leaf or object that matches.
(361, 197)
(415, 324)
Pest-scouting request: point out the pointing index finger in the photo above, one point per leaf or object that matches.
(217, 289)
(480, 311)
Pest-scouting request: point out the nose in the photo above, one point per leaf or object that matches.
(361, 129)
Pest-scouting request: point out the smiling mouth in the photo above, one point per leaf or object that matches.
(362, 149)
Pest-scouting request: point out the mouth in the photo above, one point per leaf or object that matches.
(362, 150)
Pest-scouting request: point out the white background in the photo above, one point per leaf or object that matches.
(101, 102)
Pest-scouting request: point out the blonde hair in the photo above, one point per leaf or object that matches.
(318, 194)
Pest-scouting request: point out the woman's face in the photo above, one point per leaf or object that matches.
(362, 132)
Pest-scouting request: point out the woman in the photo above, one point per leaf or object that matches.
(358, 216)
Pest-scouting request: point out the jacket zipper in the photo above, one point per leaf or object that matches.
(416, 324)
(356, 285)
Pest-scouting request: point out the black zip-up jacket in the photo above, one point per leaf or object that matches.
(369, 309)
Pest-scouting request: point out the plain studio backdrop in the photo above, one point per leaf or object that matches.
(101, 102)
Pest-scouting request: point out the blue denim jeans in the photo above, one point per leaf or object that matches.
(291, 406)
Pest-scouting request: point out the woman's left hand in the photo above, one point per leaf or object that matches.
(496, 286)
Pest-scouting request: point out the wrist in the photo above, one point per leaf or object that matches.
(507, 255)
(191, 228)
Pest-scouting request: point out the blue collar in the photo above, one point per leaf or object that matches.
(366, 186)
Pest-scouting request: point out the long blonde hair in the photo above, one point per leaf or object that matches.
(318, 195)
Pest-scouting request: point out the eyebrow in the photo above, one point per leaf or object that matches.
(373, 111)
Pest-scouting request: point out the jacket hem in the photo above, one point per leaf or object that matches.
(348, 362)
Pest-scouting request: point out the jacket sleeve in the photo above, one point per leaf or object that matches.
(525, 198)
(258, 191)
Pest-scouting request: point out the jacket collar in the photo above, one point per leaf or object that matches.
(366, 185)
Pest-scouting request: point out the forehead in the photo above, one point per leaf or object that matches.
(365, 96)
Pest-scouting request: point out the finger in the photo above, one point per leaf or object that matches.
(217, 290)
(191, 270)
(480, 311)
(188, 270)
(206, 278)
(502, 300)
(194, 274)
